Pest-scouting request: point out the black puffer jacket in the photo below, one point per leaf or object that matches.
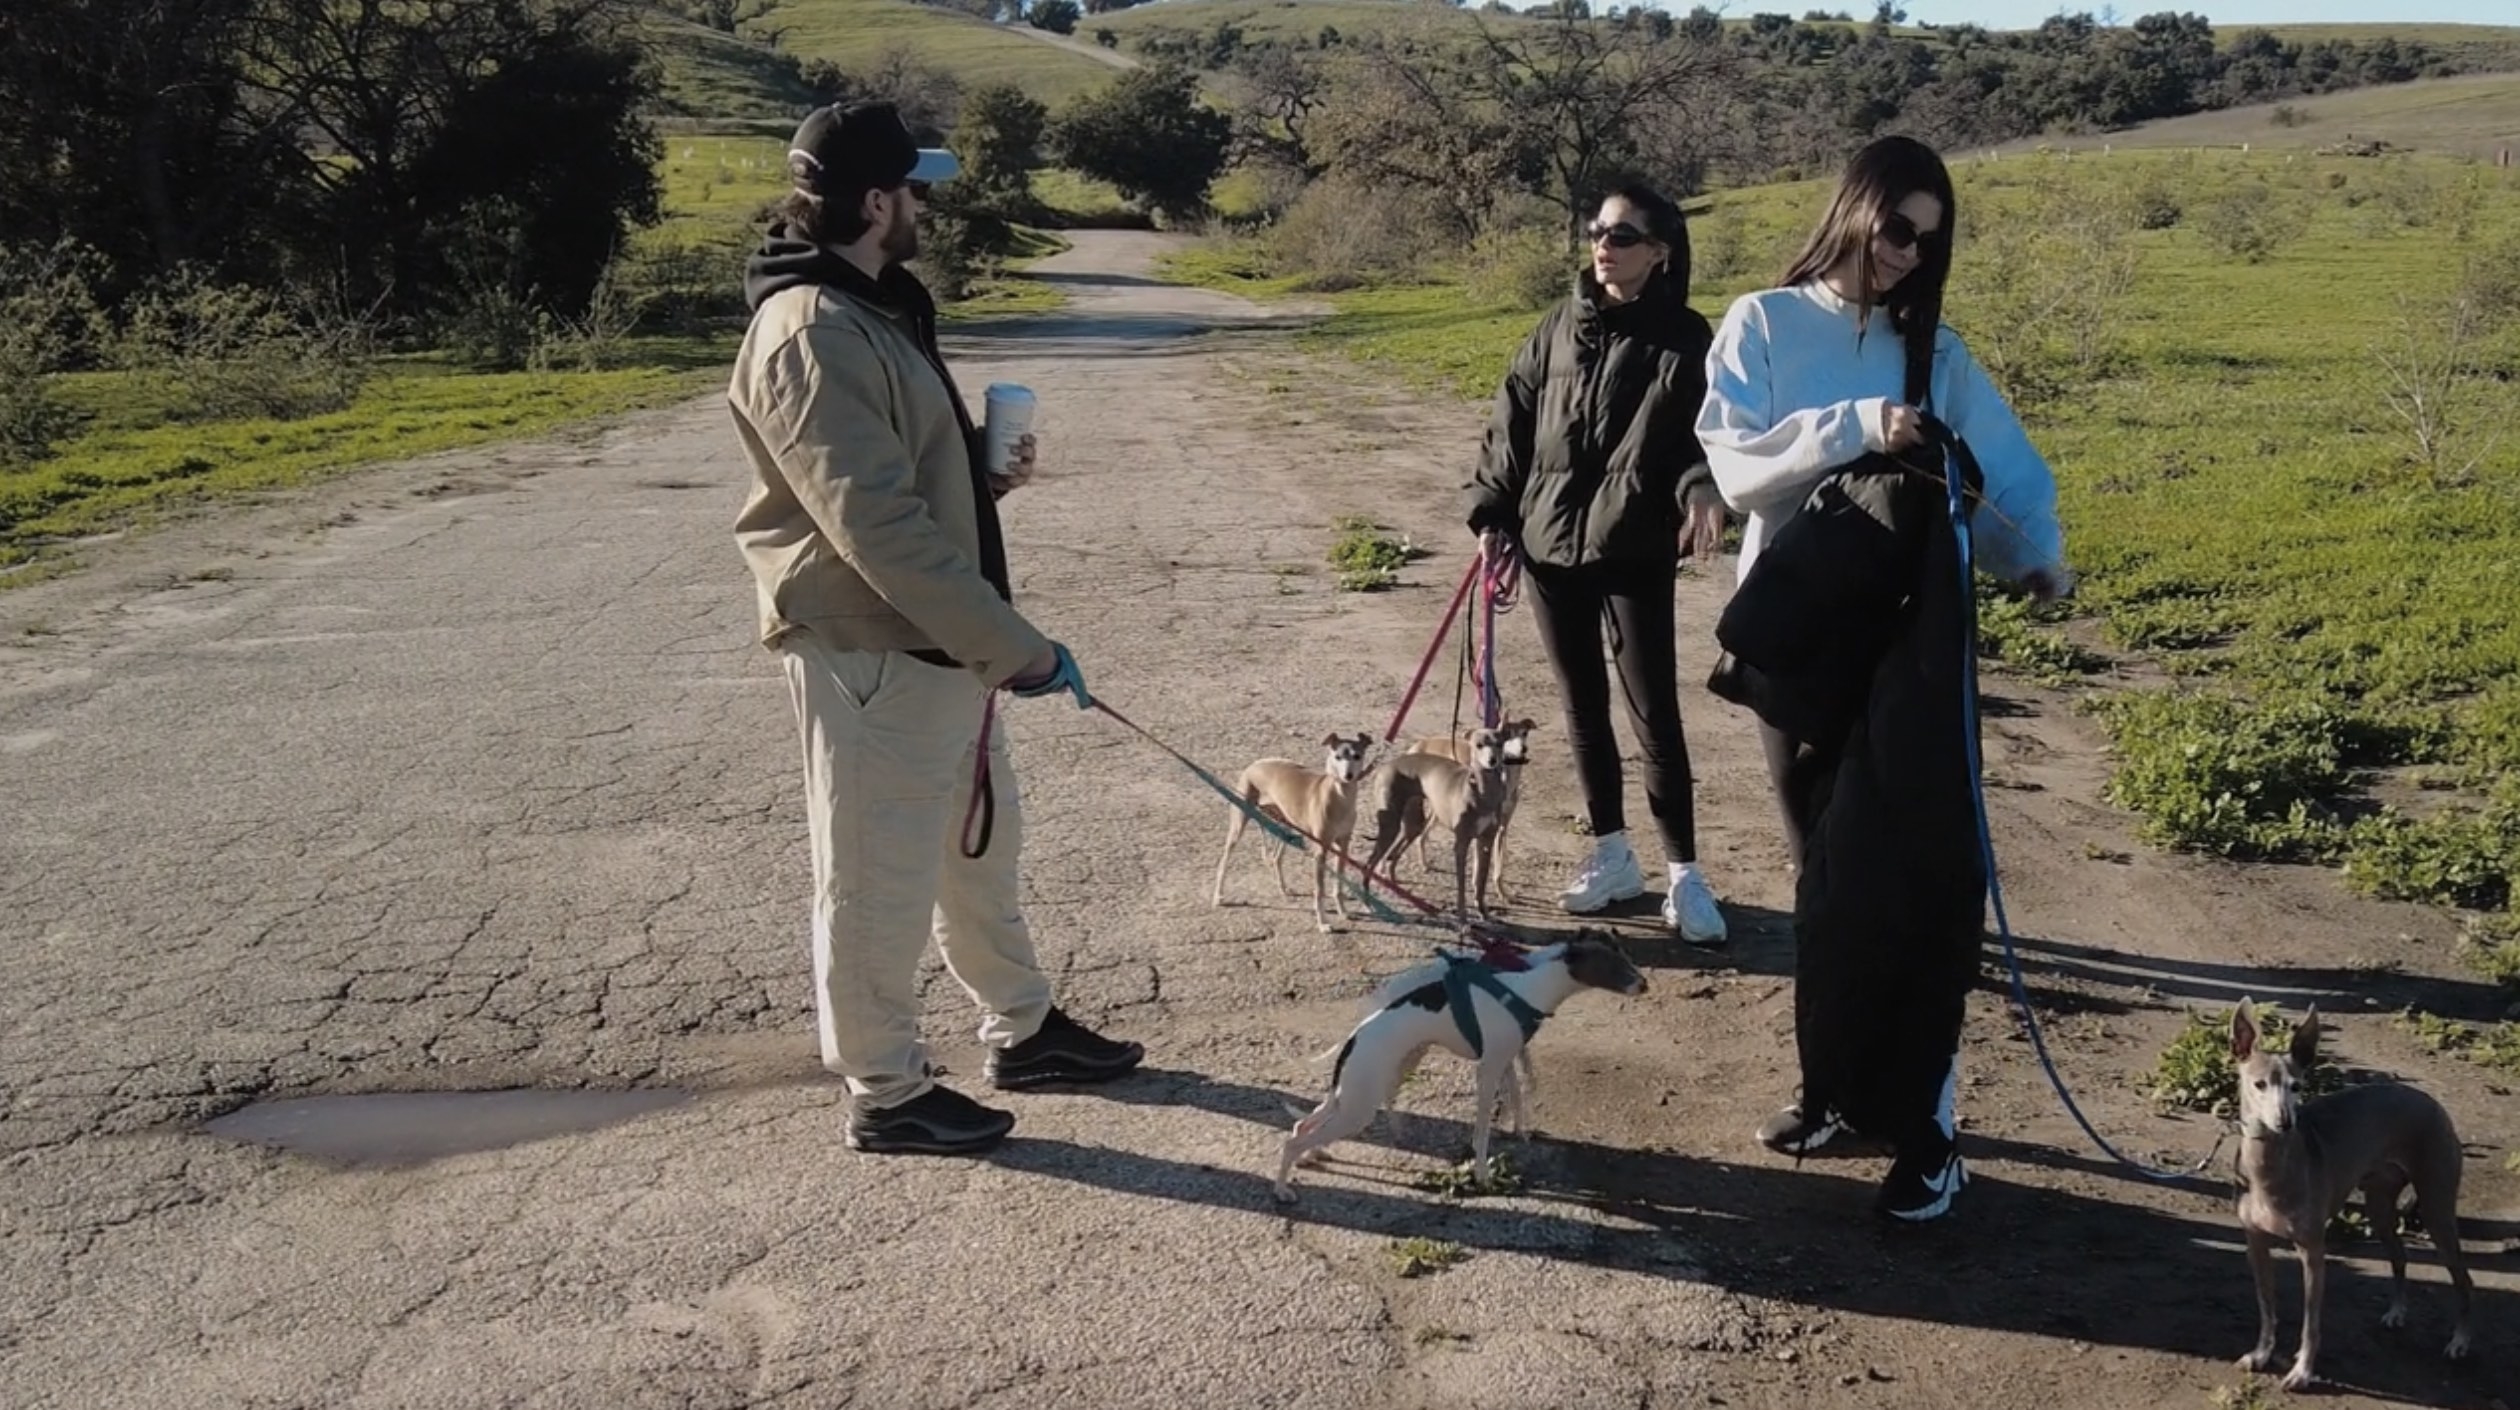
(1595, 429)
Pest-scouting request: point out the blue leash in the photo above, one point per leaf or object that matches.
(1986, 835)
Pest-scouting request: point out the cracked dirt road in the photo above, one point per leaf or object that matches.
(466, 775)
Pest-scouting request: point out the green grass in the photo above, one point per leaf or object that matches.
(132, 462)
(854, 32)
(2236, 494)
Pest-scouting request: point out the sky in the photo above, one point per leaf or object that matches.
(2025, 14)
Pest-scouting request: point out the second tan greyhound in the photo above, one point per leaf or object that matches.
(2299, 1163)
(1515, 736)
(1415, 789)
(1319, 801)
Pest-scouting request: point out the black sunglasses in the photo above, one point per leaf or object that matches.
(919, 189)
(1900, 233)
(1618, 237)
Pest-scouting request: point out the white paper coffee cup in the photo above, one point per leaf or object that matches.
(1010, 416)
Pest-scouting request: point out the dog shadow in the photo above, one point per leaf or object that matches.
(2017, 1258)
(2333, 989)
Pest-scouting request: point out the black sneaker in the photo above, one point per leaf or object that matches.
(1789, 1132)
(938, 1121)
(1922, 1182)
(1064, 1051)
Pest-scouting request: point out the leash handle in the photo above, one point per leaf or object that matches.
(1957, 505)
(1500, 587)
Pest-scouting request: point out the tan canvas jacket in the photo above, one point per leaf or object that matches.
(862, 524)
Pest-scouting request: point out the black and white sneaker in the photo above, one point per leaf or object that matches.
(1064, 1051)
(1922, 1183)
(938, 1121)
(1789, 1132)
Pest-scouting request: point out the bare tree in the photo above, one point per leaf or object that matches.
(1577, 89)
(2438, 385)
(1558, 107)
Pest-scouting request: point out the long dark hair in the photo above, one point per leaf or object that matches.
(1887, 171)
(1664, 225)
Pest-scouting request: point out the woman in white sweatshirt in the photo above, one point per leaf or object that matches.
(1837, 363)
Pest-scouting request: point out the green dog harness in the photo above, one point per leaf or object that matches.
(1461, 974)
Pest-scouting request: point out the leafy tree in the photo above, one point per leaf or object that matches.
(1147, 134)
(1056, 16)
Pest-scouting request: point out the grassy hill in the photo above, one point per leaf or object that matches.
(714, 75)
(2475, 115)
(855, 31)
(723, 77)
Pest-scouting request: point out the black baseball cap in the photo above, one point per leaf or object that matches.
(847, 150)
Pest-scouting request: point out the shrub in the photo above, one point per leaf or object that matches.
(1518, 268)
(239, 352)
(2210, 772)
(48, 318)
(1341, 234)
(2250, 221)
(2458, 857)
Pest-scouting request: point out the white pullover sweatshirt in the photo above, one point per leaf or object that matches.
(1792, 394)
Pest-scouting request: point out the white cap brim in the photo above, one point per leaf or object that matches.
(935, 165)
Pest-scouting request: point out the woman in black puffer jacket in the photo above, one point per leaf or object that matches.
(1591, 471)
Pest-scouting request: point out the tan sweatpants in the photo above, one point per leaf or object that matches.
(889, 744)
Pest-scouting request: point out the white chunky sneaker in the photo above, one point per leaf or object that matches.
(1610, 874)
(1690, 908)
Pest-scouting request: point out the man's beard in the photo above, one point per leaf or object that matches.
(901, 239)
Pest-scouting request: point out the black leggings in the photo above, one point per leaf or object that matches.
(1633, 600)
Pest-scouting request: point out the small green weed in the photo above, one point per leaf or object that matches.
(2458, 857)
(2017, 632)
(1421, 1257)
(1368, 557)
(1456, 1181)
(2494, 1046)
(2197, 1072)
(2490, 945)
(2251, 1394)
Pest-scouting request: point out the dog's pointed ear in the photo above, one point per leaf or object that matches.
(1526, 724)
(1330, 741)
(2244, 1031)
(2305, 1040)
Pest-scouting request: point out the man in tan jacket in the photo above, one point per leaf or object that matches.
(872, 534)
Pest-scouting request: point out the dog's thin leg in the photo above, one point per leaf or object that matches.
(1490, 1070)
(1529, 1087)
(1233, 833)
(1338, 891)
(2438, 1196)
(2313, 1295)
(1348, 1111)
(1321, 877)
(1484, 852)
(2262, 1271)
(1461, 874)
(2380, 1208)
(1514, 1102)
(1278, 859)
